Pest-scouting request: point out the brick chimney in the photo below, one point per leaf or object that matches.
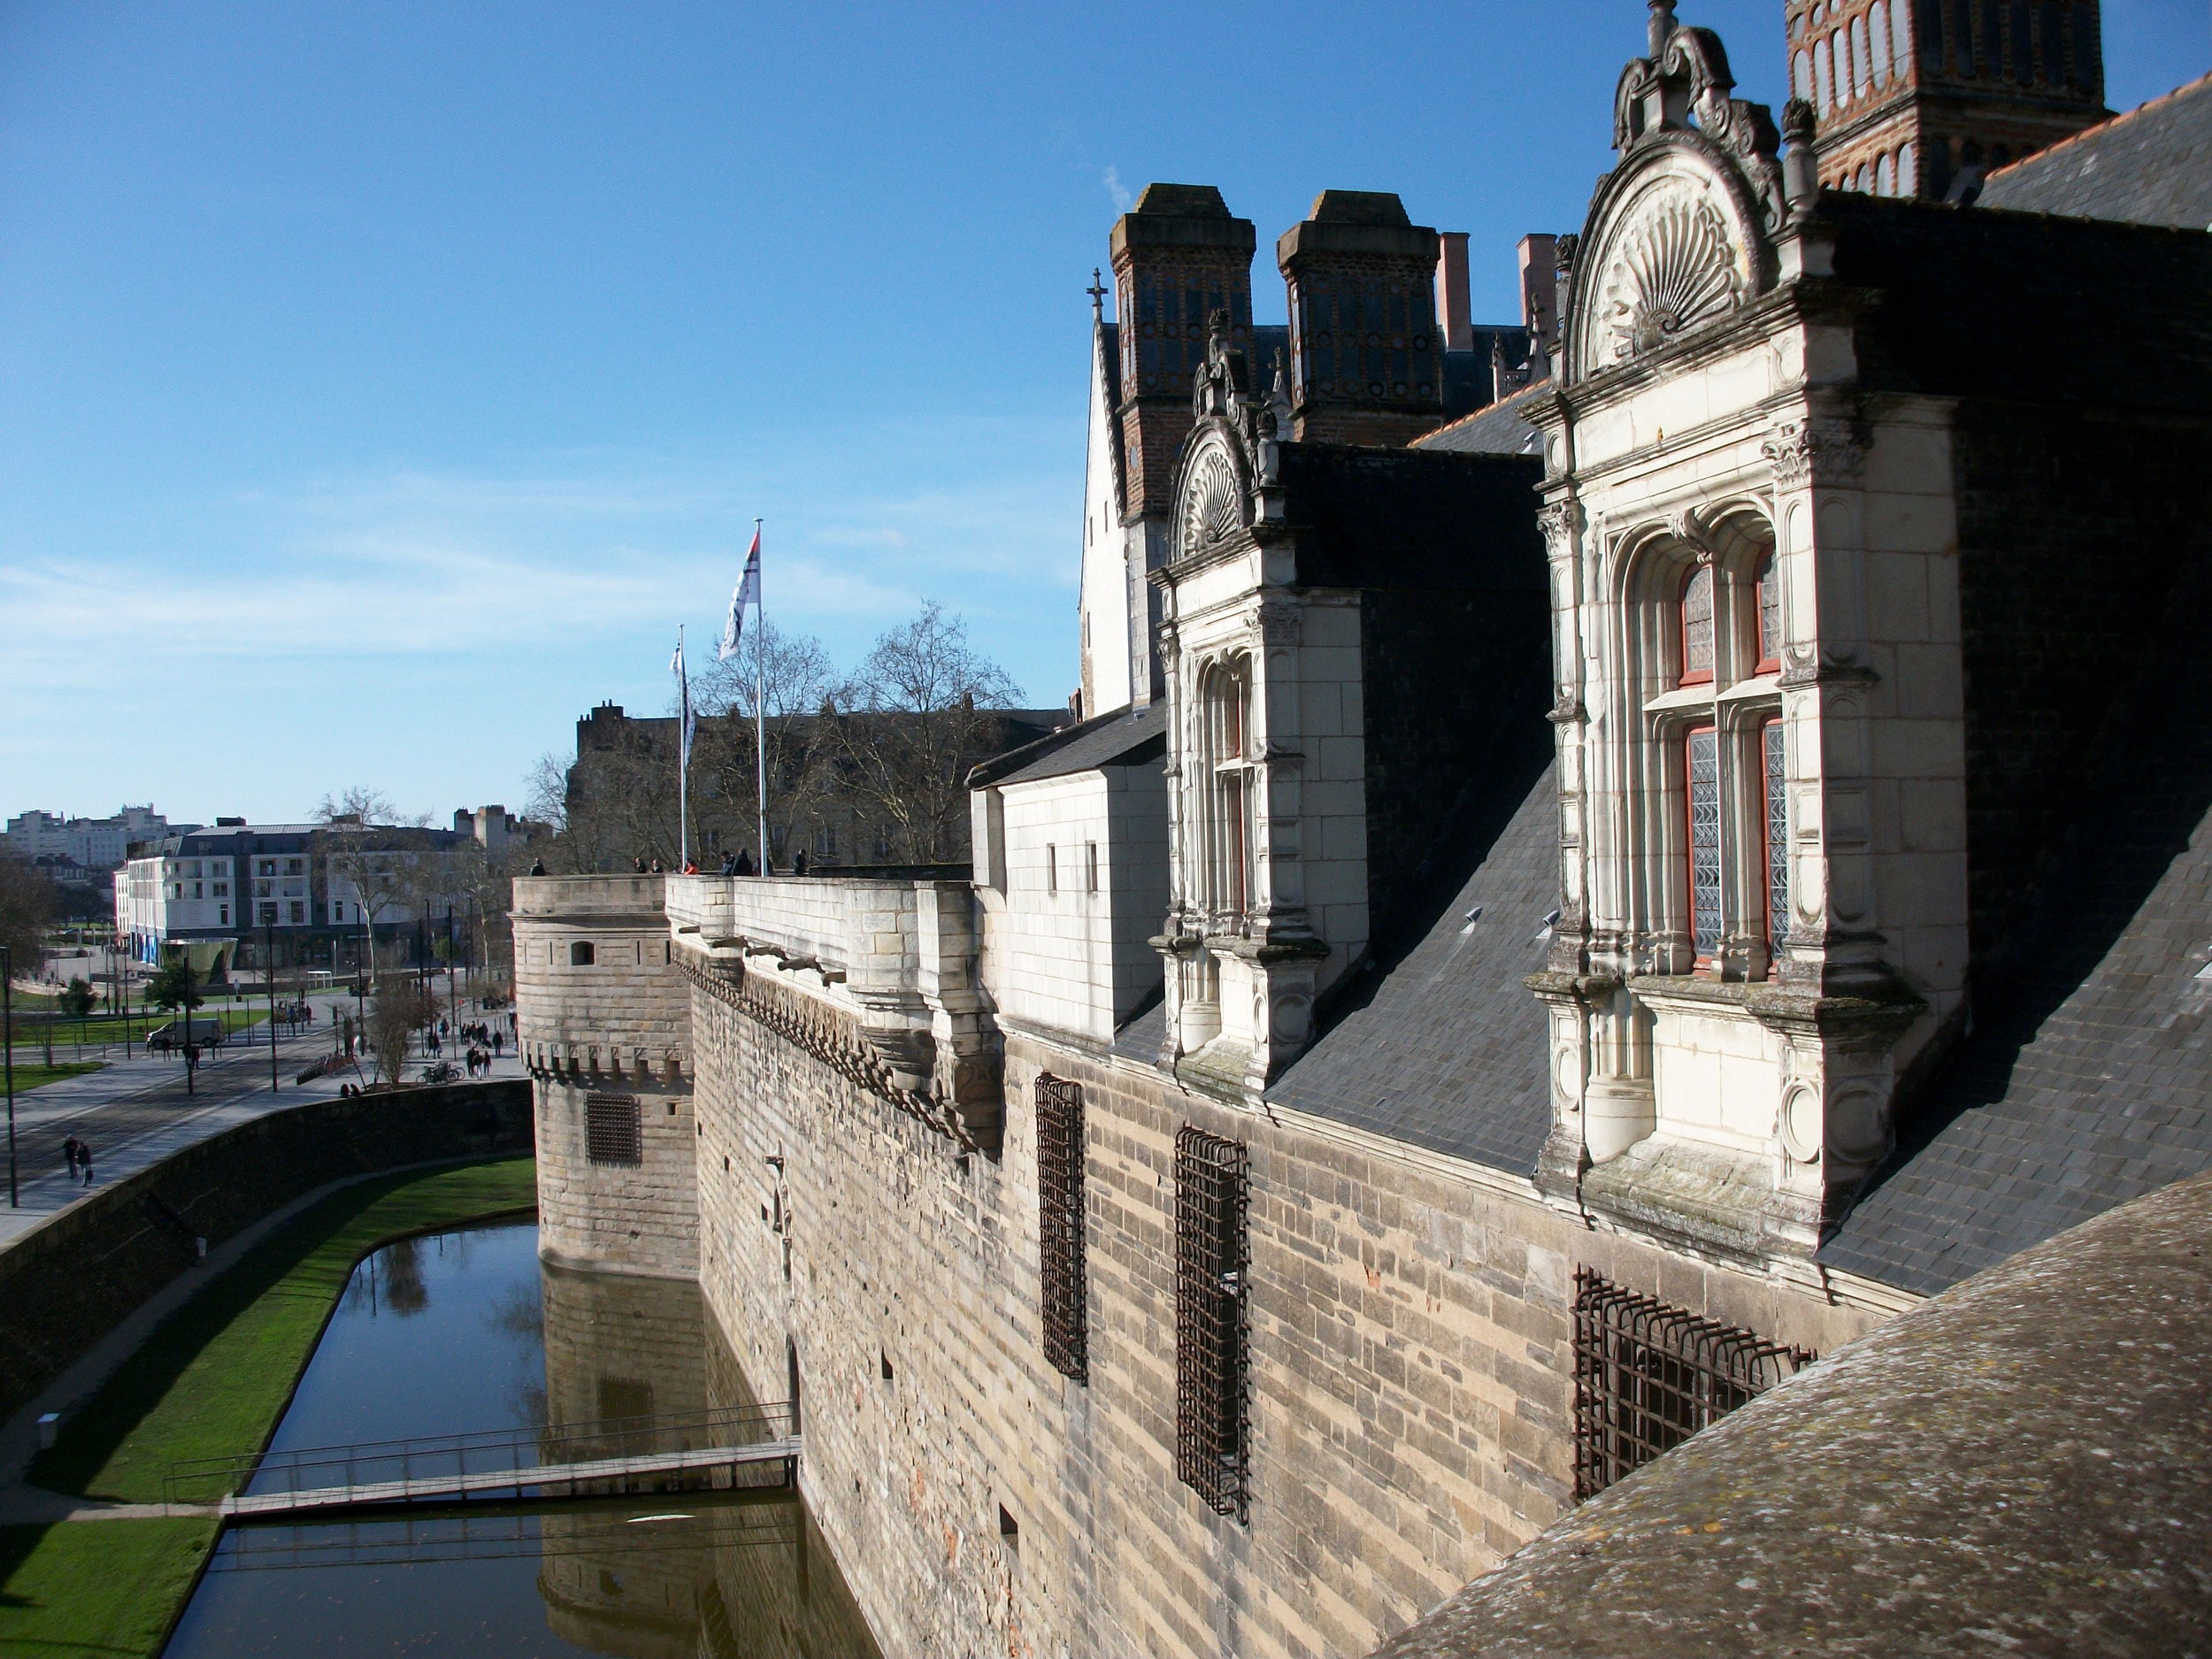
(1179, 257)
(1539, 300)
(1454, 312)
(1367, 360)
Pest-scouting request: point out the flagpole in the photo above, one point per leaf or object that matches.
(683, 761)
(760, 708)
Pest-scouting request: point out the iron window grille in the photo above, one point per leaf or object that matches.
(612, 1133)
(1648, 1376)
(1212, 1423)
(1062, 1287)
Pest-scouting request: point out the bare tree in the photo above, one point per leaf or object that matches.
(797, 677)
(27, 902)
(399, 1009)
(352, 849)
(914, 717)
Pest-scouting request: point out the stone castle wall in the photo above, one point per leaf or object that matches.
(616, 1026)
(1410, 1387)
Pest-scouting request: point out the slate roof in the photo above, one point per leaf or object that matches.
(2088, 1080)
(1497, 430)
(1125, 737)
(1942, 325)
(2152, 165)
(1369, 518)
(1444, 1046)
(1139, 1039)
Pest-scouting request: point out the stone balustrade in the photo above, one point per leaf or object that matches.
(893, 957)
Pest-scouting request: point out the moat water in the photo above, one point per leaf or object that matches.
(466, 1331)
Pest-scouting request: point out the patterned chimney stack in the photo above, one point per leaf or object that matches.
(1178, 257)
(1367, 358)
(1922, 97)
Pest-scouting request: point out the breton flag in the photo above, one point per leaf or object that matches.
(691, 721)
(748, 593)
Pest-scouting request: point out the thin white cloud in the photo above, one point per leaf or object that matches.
(1116, 193)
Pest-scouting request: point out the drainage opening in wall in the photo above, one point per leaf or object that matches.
(886, 1358)
(1010, 1530)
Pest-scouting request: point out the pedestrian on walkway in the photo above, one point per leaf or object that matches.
(70, 1149)
(84, 1158)
(496, 1040)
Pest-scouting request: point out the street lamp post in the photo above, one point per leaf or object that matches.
(268, 981)
(7, 1048)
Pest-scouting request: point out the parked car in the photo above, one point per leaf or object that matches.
(206, 1033)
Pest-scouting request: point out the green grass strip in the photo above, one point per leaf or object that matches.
(214, 1377)
(96, 1587)
(30, 1077)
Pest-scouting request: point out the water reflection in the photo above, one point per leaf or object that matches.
(466, 1331)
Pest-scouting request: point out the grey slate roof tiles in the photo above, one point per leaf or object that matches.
(2088, 1078)
(1446, 1048)
(2152, 165)
(1498, 430)
(1127, 737)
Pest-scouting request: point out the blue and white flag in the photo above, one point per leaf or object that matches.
(748, 593)
(691, 721)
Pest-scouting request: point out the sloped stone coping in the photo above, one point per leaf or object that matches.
(2017, 1466)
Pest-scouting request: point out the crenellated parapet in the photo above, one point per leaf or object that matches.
(875, 978)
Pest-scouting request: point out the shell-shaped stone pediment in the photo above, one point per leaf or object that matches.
(1213, 501)
(1673, 254)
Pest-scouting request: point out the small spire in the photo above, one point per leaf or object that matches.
(1662, 27)
(1097, 291)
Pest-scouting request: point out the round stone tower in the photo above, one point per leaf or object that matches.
(603, 1019)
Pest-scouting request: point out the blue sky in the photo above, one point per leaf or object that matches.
(383, 383)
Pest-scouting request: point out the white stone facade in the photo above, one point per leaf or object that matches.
(1071, 885)
(1266, 758)
(1760, 702)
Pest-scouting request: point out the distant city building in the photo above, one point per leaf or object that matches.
(309, 893)
(85, 844)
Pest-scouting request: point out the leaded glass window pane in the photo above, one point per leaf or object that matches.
(1777, 836)
(1770, 613)
(1697, 625)
(1704, 753)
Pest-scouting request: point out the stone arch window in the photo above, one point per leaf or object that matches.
(1885, 174)
(1822, 81)
(582, 954)
(1226, 701)
(1862, 70)
(1708, 807)
(1802, 75)
(1880, 50)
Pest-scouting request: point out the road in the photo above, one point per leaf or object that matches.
(135, 1113)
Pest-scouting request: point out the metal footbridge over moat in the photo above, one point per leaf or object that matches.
(728, 1447)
